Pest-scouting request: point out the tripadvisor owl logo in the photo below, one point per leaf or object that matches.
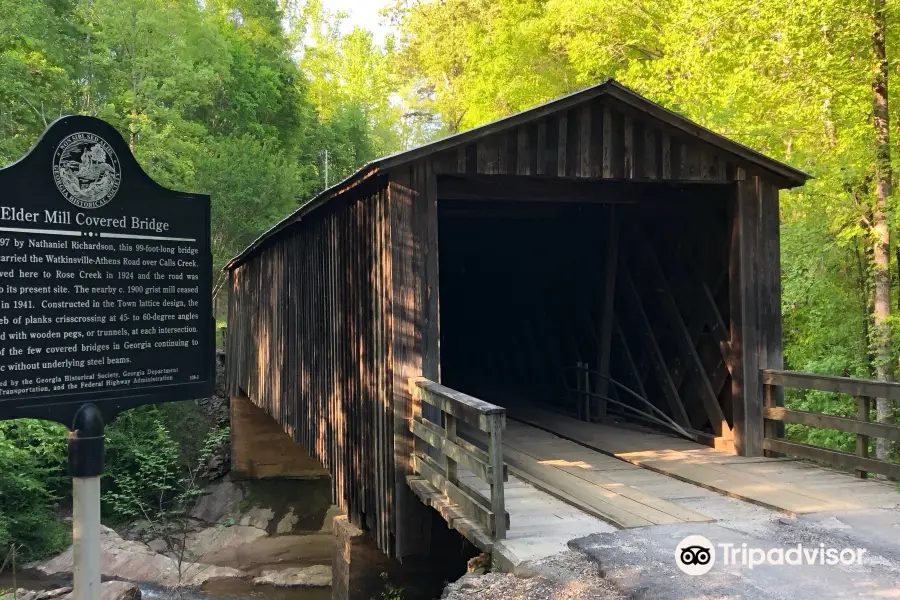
(695, 555)
(86, 170)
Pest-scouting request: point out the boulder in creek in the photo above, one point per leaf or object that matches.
(114, 590)
(134, 561)
(314, 576)
(109, 590)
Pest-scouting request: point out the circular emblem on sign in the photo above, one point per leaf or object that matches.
(86, 170)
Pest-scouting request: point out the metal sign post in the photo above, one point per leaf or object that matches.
(85, 467)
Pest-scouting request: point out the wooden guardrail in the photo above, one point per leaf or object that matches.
(862, 389)
(489, 512)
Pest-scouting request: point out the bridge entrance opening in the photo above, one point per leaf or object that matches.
(599, 300)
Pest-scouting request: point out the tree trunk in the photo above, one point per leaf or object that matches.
(881, 232)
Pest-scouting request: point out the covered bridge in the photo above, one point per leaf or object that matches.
(597, 256)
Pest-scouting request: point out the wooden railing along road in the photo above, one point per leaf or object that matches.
(480, 518)
(862, 389)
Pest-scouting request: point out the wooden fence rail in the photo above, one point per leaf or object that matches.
(862, 389)
(477, 517)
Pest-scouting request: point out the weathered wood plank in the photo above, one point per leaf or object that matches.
(585, 134)
(871, 429)
(743, 297)
(771, 355)
(495, 450)
(562, 143)
(541, 148)
(833, 457)
(831, 383)
(452, 450)
(628, 153)
(863, 408)
(468, 408)
(470, 506)
(431, 496)
(469, 447)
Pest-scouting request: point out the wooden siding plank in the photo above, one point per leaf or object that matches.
(743, 293)
(562, 132)
(585, 135)
(541, 147)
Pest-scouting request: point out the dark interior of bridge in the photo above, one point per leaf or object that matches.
(524, 297)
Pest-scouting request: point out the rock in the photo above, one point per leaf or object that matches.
(22, 594)
(221, 500)
(47, 595)
(328, 522)
(316, 548)
(834, 524)
(314, 576)
(114, 590)
(214, 539)
(158, 545)
(258, 517)
(479, 565)
(134, 561)
(286, 524)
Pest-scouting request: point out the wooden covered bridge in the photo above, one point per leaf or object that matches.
(594, 274)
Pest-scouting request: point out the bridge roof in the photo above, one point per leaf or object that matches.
(789, 175)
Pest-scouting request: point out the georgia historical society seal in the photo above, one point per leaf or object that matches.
(86, 170)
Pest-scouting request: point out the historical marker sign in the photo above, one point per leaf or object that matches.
(105, 280)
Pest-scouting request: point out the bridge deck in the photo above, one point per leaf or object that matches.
(786, 485)
(569, 479)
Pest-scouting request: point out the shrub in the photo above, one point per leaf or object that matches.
(32, 472)
(141, 464)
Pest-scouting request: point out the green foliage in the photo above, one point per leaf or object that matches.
(390, 591)
(153, 457)
(142, 463)
(32, 462)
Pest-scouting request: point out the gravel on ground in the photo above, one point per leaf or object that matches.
(566, 576)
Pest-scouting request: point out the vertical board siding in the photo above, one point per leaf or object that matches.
(599, 139)
(310, 341)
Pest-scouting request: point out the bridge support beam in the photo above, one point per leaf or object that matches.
(755, 299)
(260, 448)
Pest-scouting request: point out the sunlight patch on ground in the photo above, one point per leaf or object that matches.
(566, 463)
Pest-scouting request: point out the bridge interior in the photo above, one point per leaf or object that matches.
(546, 288)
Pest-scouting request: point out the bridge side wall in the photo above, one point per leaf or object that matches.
(311, 341)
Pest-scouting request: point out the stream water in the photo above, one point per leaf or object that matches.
(223, 589)
(231, 589)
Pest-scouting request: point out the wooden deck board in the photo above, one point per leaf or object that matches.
(786, 485)
(572, 472)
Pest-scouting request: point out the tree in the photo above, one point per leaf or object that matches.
(880, 222)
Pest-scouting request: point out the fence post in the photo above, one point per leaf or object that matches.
(495, 453)
(862, 441)
(770, 428)
(450, 433)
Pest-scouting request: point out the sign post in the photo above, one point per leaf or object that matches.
(85, 467)
(105, 300)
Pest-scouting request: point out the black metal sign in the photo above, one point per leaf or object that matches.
(105, 280)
